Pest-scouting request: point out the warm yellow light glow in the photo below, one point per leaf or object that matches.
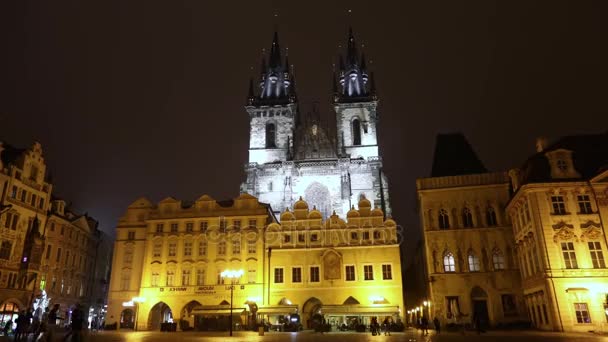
(376, 298)
(128, 304)
(425, 303)
(232, 274)
(254, 299)
(138, 299)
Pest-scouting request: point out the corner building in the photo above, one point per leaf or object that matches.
(468, 244)
(172, 255)
(291, 155)
(559, 210)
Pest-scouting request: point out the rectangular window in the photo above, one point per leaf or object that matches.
(172, 249)
(314, 274)
(33, 200)
(365, 235)
(286, 238)
(131, 236)
(41, 203)
(236, 224)
(251, 276)
(296, 274)
(221, 248)
(157, 249)
(453, 306)
(569, 255)
(204, 225)
(387, 272)
(154, 280)
(125, 281)
(67, 257)
(278, 275)
(584, 204)
(185, 277)
(376, 235)
(301, 238)
(23, 195)
(368, 272)
(222, 224)
(559, 207)
(200, 276)
(48, 251)
(188, 248)
(597, 256)
(251, 247)
(159, 227)
(170, 278)
(252, 223)
(14, 192)
(173, 227)
(314, 237)
(202, 248)
(350, 272)
(582, 313)
(189, 227)
(236, 247)
(62, 230)
(354, 236)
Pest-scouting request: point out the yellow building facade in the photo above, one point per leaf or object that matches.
(168, 260)
(346, 270)
(558, 211)
(472, 275)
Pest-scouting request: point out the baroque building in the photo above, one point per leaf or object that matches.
(38, 233)
(292, 156)
(471, 272)
(170, 257)
(559, 208)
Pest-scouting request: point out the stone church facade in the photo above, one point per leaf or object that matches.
(292, 156)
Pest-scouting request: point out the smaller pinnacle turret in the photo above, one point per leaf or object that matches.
(353, 74)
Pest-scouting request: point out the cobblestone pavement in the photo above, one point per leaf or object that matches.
(410, 336)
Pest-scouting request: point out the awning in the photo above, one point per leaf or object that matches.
(216, 311)
(359, 309)
(277, 310)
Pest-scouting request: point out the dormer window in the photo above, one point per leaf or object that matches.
(562, 165)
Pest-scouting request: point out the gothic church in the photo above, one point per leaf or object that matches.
(292, 156)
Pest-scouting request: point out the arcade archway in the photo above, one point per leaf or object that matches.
(160, 313)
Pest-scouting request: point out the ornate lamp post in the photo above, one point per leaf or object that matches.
(233, 276)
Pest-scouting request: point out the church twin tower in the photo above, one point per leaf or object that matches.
(292, 156)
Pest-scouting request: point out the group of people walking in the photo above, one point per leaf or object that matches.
(377, 330)
(43, 327)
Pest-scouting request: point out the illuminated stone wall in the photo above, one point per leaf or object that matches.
(365, 112)
(475, 244)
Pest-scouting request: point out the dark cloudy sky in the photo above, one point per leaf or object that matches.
(133, 98)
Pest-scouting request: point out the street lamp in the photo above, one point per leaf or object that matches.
(233, 275)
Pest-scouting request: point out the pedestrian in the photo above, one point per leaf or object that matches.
(387, 326)
(478, 323)
(7, 327)
(20, 328)
(76, 325)
(425, 325)
(437, 324)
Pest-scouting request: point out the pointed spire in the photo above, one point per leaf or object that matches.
(275, 52)
(250, 93)
(334, 85)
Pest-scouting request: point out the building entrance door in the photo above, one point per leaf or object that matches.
(480, 313)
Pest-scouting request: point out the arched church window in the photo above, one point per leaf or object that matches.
(467, 218)
(498, 259)
(473, 262)
(271, 135)
(491, 217)
(444, 220)
(448, 262)
(356, 132)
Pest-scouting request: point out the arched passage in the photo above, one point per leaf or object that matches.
(127, 319)
(311, 311)
(160, 313)
(479, 303)
(187, 319)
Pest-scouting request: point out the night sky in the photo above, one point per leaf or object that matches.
(133, 98)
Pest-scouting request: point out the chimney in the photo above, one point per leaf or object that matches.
(541, 144)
